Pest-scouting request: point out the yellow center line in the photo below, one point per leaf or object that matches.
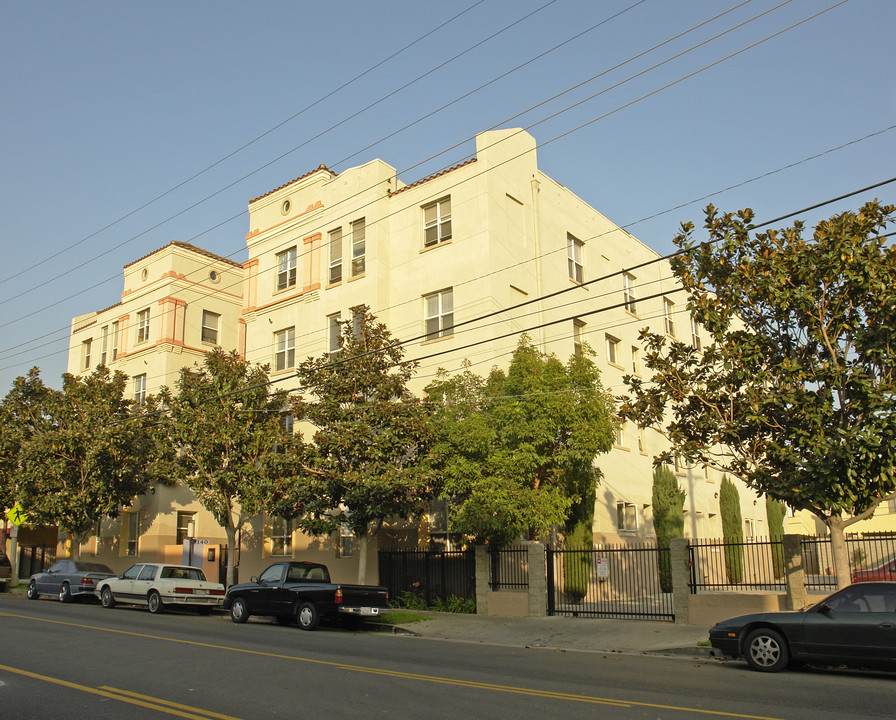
(408, 676)
(184, 711)
(205, 713)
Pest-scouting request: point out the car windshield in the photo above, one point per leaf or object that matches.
(183, 573)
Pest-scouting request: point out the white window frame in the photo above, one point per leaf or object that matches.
(285, 348)
(104, 344)
(115, 341)
(85, 353)
(620, 434)
(182, 529)
(578, 337)
(287, 268)
(359, 247)
(143, 318)
(626, 516)
(612, 344)
(437, 222)
(636, 360)
(210, 323)
(438, 320)
(629, 298)
(140, 389)
(695, 334)
(334, 332)
(132, 547)
(575, 252)
(669, 317)
(281, 535)
(346, 541)
(334, 249)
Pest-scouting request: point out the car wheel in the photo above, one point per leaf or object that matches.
(765, 650)
(106, 598)
(154, 601)
(32, 592)
(239, 611)
(307, 616)
(65, 593)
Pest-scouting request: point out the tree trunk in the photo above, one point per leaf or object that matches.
(362, 558)
(838, 550)
(230, 530)
(76, 545)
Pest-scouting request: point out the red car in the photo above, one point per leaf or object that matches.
(885, 571)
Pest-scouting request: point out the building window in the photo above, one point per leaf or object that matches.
(286, 268)
(612, 350)
(287, 420)
(358, 323)
(891, 505)
(85, 353)
(636, 360)
(285, 348)
(281, 536)
(749, 528)
(695, 333)
(620, 434)
(642, 444)
(140, 389)
(438, 314)
(104, 344)
(628, 292)
(669, 316)
(335, 248)
(115, 341)
(575, 250)
(578, 337)
(346, 541)
(183, 527)
(626, 517)
(334, 333)
(437, 222)
(210, 327)
(359, 247)
(133, 534)
(143, 326)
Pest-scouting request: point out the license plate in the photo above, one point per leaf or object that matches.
(370, 611)
(200, 591)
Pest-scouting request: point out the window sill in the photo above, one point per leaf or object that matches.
(621, 447)
(333, 285)
(280, 291)
(438, 339)
(434, 246)
(580, 284)
(357, 277)
(615, 365)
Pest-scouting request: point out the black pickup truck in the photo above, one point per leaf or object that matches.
(302, 590)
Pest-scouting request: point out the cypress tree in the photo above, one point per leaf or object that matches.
(774, 513)
(668, 518)
(732, 530)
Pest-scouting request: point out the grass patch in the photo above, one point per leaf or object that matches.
(398, 617)
(704, 643)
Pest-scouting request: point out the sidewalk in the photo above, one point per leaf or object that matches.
(564, 633)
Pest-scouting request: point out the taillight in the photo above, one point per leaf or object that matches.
(338, 598)
(215, 592)
(86, 581)
(183, 591)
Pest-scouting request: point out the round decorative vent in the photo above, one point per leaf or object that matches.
(284, 208)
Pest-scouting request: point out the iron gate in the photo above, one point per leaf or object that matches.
(611, 581)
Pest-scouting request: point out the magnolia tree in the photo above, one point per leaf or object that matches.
(86, 450)
(367, 462)
(516, 449)
(232, 451)
(795, 392)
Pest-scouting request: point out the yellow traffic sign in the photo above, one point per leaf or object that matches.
(17, 515)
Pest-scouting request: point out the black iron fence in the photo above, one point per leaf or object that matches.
(508, 568)
(611, 581)
(34, 559)
(430, 575)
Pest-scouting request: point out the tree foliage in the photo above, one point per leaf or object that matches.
(233, 452)
(367, 463)
(668, 517)
(85, 450)
(732, 530)
(516, 449)
(794, 393)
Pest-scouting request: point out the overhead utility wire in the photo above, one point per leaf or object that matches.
(241, 147)
(294, 149)
(667, 85)
(281, 156)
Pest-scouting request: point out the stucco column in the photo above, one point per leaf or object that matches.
(482, 572)
(681, 577)
(794, 573)
(538, 590)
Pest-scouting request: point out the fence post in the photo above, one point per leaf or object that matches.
(793, 571)
(678, 557)
(482, 578)
(538, 592)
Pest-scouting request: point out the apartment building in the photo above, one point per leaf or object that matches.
(178, 303)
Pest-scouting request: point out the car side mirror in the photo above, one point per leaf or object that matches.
(825, 609)
(254, 579)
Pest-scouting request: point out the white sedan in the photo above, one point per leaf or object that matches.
(159, 584)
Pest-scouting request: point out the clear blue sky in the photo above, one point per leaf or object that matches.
(107, 105)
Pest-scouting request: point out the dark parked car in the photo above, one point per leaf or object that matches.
(5, 571)
(303, 591)
(855, 626)
(68, 580)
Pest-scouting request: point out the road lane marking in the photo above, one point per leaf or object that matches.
(184, 711)
(547, 694)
